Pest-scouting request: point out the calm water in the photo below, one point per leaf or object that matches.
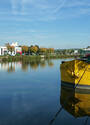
(31, 94)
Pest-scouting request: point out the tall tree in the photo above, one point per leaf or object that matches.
(10, 48)
(42, 50)
(50, 50)
(25, 49)
(34, 49)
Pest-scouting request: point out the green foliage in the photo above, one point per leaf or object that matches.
(34, 49)
(25, 49)
(10, 48)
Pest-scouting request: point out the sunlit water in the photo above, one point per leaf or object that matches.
(30, 94)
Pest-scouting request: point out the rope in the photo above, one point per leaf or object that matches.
(51, 122)
(81, 76)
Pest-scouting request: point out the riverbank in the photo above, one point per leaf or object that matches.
(36, 57)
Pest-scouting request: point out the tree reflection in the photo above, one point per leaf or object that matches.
(25, 65)
(42, 64)
(50, 63)
(34, 65)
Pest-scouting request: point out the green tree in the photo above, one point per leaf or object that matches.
(34, 49)
(42, 50)
(25, 49)
(50, 50)
(10, 48)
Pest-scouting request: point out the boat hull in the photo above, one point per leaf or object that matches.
(76, 73)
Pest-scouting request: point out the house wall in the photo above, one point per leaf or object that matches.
(3, 50)
(0, 51)
(18, 50)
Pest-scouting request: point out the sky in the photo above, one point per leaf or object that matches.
(47, 23)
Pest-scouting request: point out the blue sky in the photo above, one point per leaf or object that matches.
(48, 23)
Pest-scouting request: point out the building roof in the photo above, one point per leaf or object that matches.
(14, 44)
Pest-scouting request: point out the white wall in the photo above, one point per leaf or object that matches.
(3, 50)
(18, 49)
(0, 51)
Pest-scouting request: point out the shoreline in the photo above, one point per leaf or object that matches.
(31, 57)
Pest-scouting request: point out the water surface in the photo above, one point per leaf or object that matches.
(31, 94)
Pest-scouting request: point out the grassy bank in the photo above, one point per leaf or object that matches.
(32, 58)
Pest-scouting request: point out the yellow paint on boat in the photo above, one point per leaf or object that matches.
(75, 71)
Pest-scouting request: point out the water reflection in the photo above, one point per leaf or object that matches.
(25, 65)
(50, 63)
(24, 97)
(43, 64)
(34, 65)
(75, 101)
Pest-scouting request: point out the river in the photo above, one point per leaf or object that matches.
(30, 94)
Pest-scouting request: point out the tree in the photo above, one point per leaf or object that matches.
(50, 50)
(25, 49)
(42, 50)
(34, 49)
(10, 48)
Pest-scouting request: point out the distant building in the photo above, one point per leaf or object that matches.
(75, 51)
(87, 49)
(3, 50)
(17, 49)
(15, 44)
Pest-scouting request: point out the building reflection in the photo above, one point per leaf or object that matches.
(25, 65)
(11, 68)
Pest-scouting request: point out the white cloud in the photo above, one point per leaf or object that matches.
(47, 10)
(36, 7)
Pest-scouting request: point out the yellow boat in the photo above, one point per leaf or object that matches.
(75, 101)
(76, 73)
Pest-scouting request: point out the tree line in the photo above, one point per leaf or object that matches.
(31, 49)
(36, 50)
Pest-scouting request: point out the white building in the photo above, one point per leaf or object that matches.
(3, 50)
(14, 44)
(17, 49)
(75, 51)
(87, 49)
